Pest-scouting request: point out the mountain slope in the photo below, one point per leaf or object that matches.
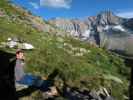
(80, 64)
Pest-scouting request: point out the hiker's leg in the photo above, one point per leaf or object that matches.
(31, 80)
(35, 81)
(28, 80)
(38, 82)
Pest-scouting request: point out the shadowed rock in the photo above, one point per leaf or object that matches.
(7, 86)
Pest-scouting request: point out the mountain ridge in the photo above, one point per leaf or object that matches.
(96, 28)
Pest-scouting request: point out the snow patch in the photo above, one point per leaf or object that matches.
(119, 27)
(107, 27)
(86, 34)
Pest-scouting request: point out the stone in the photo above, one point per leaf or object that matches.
(27, 46)
(109, 98)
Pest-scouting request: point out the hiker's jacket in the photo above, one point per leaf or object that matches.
(19, 69)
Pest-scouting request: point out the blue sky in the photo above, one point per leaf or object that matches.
(76, 8)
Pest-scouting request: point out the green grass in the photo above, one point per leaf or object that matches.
(89, 68)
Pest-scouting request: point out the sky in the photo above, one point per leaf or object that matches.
(80, 9)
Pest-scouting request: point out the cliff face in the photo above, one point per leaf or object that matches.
(106, 30)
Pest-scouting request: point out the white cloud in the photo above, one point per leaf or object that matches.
(34, 5)
(128, 14)
(56, 3)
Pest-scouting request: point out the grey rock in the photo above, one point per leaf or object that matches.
(109, 98)
(93, 95)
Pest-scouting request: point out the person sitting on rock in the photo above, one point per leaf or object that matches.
(28, 79)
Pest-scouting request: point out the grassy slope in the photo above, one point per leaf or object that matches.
(51, 53)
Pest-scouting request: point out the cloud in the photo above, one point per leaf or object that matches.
(56, 3)
(128, 14)
(34, 5)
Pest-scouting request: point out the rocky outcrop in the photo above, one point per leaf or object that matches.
(76, 94)
(16, 43)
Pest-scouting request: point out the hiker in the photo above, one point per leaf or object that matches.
(28, 79)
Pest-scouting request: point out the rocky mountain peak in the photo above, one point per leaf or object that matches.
(106, 13)
(107, 18)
